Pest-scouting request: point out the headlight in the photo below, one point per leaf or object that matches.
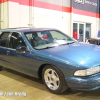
(87, 72)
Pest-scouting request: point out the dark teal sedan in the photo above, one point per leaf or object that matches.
(59, 60)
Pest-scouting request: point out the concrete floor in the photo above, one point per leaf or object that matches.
(12, 82)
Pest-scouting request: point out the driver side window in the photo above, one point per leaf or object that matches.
(16, 40)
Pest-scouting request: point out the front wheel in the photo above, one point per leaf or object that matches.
(54, 79)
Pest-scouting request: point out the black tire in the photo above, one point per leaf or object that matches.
(1, 67)
(61, 83)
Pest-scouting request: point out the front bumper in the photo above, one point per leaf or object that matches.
(84, 83)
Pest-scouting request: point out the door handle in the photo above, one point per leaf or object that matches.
(8, 52)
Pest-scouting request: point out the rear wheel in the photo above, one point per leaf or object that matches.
(54, 79)
(1, 67)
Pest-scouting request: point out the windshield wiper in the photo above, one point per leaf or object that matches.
(55, 46)
(70, 42)
(67, 43)
(47, 47)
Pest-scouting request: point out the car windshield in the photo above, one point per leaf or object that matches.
(48, 39)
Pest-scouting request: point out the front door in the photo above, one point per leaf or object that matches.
(20, 60)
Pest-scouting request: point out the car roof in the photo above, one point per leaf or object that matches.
(26, 29)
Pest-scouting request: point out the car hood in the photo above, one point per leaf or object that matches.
(82, 54)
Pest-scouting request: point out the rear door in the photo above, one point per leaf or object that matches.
(3, 48)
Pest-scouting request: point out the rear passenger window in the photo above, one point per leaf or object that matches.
(3, 38)
(4, 35)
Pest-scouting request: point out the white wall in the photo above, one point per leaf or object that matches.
(18, 15)
(4, 15)
(22, 16)
(52, 19)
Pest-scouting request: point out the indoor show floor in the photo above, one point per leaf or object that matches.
(14, 84)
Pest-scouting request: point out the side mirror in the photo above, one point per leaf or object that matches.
(23, 49)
